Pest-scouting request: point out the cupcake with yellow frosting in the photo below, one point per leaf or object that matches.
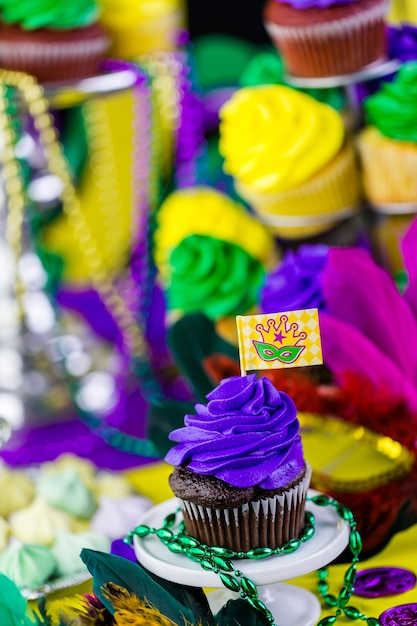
(50, 39)
(211, 256)
(139, 27)
(388, 143)
(290, 158)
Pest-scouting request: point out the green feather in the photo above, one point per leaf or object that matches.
(12, 604)
(238, 613)
(173, 601)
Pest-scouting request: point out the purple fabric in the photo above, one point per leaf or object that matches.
(87, 303)
(29, 446)
(295, 283)
(247, 434)
(314, 4)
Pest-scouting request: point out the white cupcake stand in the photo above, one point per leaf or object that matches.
(291, 605)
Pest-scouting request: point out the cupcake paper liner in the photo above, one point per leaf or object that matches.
(54, 61)
(385, 182)
(332, 48)
(333, 194)
(269, 522)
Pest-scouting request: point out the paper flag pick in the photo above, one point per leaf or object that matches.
(277, 340)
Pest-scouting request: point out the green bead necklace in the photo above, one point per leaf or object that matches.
(340, 602)
(218, 560)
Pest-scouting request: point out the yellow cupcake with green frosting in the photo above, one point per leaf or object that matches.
(211, 254)
(290, 159)
(206, 211)
(390, 139)
(32, 14)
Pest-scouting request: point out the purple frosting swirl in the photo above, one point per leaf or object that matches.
(246, 435)
(296, 282)
(402, 42)
(314, 4)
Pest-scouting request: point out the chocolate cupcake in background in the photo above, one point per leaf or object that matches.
(240, 474)
(319, 38)
(50, 39)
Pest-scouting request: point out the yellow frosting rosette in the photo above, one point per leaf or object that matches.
(290, 159)
(206, 211)
(139, 27)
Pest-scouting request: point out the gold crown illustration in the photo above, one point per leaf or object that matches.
(282, 335)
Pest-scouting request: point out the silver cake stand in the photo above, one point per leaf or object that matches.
(61, 95)
(291, 605)
(379, 69)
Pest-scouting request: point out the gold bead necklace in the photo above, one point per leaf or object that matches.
(38, 108)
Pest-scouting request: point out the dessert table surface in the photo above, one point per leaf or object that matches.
(401, 552)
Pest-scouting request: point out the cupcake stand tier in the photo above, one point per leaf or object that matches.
(379, 69)
(290, 605)
(70, 93)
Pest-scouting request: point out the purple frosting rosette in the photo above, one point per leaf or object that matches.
(402, 42)
(246, 435)
(296, 282)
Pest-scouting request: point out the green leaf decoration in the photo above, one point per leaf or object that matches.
(193, 598)
(164, 415)
(174, 601)
(238, 613)
(191, 340)
(12, 604)
(285, 354)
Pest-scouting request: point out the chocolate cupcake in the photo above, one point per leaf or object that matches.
(320, 38)
(50, 39)
(240, 474)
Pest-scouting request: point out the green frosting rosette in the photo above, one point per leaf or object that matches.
(393, 110)
(214, 277)
(267, 68)
(57, 14)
